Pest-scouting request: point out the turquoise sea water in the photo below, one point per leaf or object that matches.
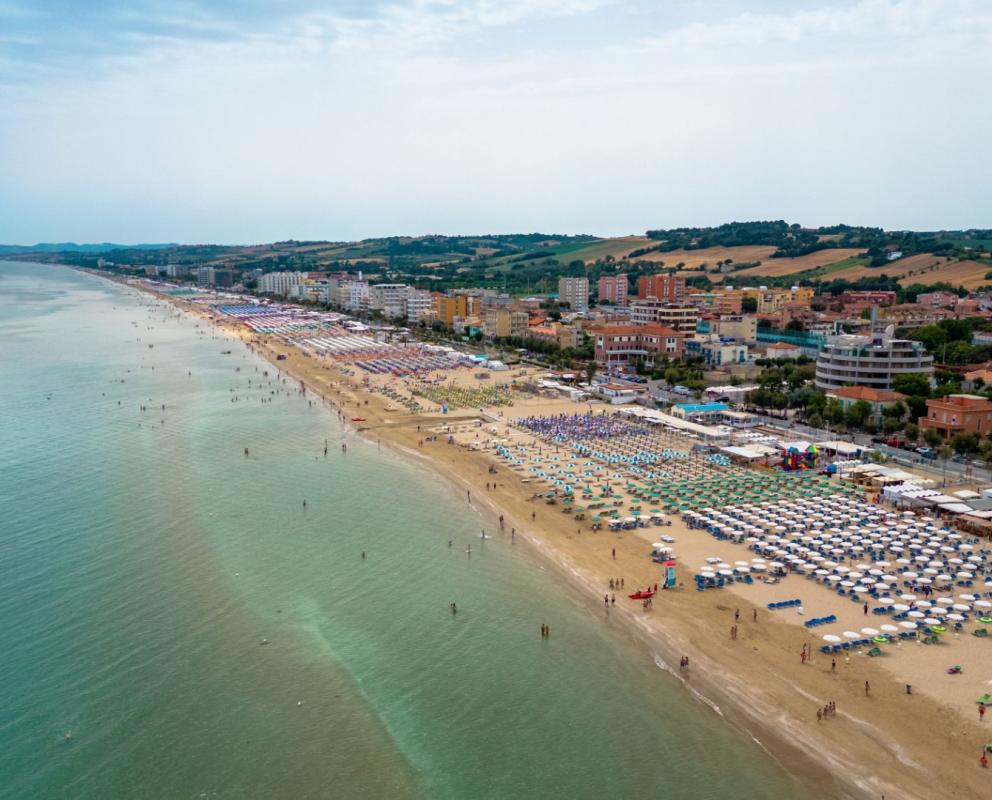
(144, 558)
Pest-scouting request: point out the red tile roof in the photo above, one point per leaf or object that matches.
(866, 393)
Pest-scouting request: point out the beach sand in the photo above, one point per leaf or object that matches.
(888, 744)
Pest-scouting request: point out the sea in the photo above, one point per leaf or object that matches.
(181, 620)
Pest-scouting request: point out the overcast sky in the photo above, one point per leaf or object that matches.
(252, 121)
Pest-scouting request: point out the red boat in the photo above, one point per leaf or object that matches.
(641, 594)
(358, 419)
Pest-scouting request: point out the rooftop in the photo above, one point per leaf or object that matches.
(866, 393)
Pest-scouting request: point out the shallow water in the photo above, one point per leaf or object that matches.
(144, 558)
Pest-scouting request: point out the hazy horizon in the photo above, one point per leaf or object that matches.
(222, 122)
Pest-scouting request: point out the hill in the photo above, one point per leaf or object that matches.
(742, 253)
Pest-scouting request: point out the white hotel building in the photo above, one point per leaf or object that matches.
(872, 360)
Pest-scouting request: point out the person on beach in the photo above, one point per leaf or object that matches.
(866, 609)
(754, 615)
(981, 712)
(833, 665)
(819, 715)
(867, 689)
(737, 615)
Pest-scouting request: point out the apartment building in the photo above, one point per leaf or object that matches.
(669, 288)
(619, 347)
(870, 360)
(612, 289)
(656, 311)
(574, 292)
(501, 322)
(280, 283)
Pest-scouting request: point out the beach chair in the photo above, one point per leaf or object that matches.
(875, 651)
(980, 632)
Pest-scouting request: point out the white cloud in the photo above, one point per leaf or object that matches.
(867, 112)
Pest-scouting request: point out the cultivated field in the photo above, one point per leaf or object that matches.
(911, 266)
(780, 267)
(969, 274)
(618, 247)
(710, 255)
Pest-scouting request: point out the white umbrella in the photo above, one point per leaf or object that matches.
(969, 597)
(909, 598)
(889, 628)
(961, 607)
(983, 604)
(869, 631)
(932, 621)
(908, 625)
(852, 635)
(917, 614)
(900, 607)
(956, 617)
(831, 638)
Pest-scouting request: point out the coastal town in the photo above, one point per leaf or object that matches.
(818, 491)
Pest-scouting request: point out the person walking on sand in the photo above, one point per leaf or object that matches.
(754, 615)
(833, 665)
(819, 715)
(614, 554)
(737, 615)
(866, 609)
(981, 712)
(867, 689)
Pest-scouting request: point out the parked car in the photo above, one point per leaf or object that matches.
(926, 452)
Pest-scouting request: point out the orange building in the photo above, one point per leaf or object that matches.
(664, 287)
(958, 413)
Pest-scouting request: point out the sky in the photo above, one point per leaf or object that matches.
(242, 121)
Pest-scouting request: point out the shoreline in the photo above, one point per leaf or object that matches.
(854, 762)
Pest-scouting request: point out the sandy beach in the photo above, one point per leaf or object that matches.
(888, 743)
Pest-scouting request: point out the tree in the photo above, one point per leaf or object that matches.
(890, 425)
(749, 305)
(591, 368)
(858, 413)
(965, 443)
(914, 384)
(932, 437)
(912, 431)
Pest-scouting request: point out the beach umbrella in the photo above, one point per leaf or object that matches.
(869, 631)
(956, 617)
(910, 626)
(889, 628)
(833, 639)
(852, 635)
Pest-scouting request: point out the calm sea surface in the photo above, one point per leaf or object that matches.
(144, 559)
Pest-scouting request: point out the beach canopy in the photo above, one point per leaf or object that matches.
(831, 638)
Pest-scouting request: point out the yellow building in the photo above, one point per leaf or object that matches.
(447, 307)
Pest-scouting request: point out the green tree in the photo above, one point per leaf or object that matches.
(965, 443)
(912, 431)
(591, 369)
(858, 414)
(932, 437)
(749, 304)
(914, 384)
